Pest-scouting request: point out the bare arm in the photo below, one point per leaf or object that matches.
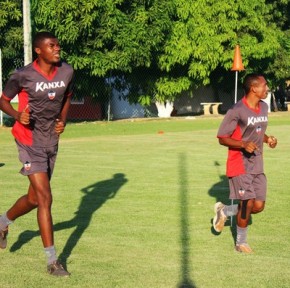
(250, 146)
(6, 107)
(60, 123)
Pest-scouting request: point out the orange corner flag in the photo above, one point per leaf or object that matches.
(237, 64)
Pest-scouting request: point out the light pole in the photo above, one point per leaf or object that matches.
(237, 66)
(27, 32)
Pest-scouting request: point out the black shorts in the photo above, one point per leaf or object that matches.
(36, 159)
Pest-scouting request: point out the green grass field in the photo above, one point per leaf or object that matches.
(133, 208)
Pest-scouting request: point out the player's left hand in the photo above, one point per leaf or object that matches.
(272, 141)
(59, 126)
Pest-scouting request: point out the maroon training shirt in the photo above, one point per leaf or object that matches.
(245, 124)
(43, 97)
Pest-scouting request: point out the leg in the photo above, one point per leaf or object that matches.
(244, 212)
(41, 186)
(23, 205)
(39, 195)
(246, 208)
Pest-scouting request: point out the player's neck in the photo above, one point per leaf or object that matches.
(252, 101)
(46, 68)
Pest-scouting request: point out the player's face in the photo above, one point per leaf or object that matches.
(49, 51)
(261, 88)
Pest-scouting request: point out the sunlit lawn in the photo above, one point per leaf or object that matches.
(133, 204)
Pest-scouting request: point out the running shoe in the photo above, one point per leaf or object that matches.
(3, 238)
(56, 269)
(220, 218)
(244, 248)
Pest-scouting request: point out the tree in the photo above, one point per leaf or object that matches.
(11, 37)
(108, 39)
(279, 66)
(205, 33)
(105, 36)
(155, 49)
(198, 48)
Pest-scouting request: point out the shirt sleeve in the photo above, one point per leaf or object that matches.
(13, 86)
(229, 124)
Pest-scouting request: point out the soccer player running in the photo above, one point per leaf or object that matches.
(243, 132)
(44, 90)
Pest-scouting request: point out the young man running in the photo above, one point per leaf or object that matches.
(243, 132)
(44, 89)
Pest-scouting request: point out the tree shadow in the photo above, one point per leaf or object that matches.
(186, 281)
(221, 191)
(2, 164)
(95, 196)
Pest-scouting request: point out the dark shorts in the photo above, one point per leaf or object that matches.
(248, 186)
(36, 160)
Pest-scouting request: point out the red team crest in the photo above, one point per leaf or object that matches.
(27, 165)
(259, 129)
(241, 192)
(51, 94)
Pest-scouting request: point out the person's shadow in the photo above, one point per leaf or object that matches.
(95, 196)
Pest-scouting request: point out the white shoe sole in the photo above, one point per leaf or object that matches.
(215, 218)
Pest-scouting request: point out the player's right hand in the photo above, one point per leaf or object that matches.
(250, 147)
(24, 116)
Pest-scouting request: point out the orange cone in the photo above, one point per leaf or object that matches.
(237, 64)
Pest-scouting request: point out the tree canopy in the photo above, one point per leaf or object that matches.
(155, 49)
(11, 36)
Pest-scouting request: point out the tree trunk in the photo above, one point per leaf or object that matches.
(164, 109)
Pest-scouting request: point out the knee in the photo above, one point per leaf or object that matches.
(258, 207)
(44, 199)
(32, 201)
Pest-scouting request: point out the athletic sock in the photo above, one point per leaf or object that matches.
(231, 210)
(50, 254)
(4, 221)
(241, 235)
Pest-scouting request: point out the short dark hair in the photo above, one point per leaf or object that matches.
(249, 80)
(41, 36)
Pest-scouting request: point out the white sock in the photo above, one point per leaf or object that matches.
(4, 221)
(241, 235)
(50, 254)
(231, 210)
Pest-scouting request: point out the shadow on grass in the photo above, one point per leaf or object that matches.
(95, 196)
(186, 281)
(2, 164)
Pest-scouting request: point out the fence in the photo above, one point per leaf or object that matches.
(95, 99)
